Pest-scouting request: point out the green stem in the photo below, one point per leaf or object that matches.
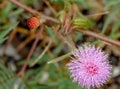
(42, 54)
(60, 58)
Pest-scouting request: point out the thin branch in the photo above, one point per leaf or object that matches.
(51, 8)
(32, 11)
(98, 14)
(42, 54)
(103, 38)
(21, 72)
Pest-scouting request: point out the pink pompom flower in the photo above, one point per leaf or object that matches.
(90, 67)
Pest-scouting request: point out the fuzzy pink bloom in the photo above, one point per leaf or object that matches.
(90, 68)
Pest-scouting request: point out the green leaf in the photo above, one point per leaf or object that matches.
(52, 34)
(82, 2)
(78, 36)
(4, 33)
(58, 49)
(107, 22)
(7, 78)
(115, 27)
(4, 13)
(2, 40)
(17, 12)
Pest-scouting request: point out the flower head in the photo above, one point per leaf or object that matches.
(91, 67)
(33, 22)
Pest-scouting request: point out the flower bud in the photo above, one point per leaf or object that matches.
(82, 22)
(33, 22)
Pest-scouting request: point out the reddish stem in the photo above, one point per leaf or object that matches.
(21, 72)
(103, 38)
(33, 12)
(72, 12)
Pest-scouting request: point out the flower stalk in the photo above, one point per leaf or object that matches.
(60, 58)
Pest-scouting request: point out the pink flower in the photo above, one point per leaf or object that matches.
(90, 67)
